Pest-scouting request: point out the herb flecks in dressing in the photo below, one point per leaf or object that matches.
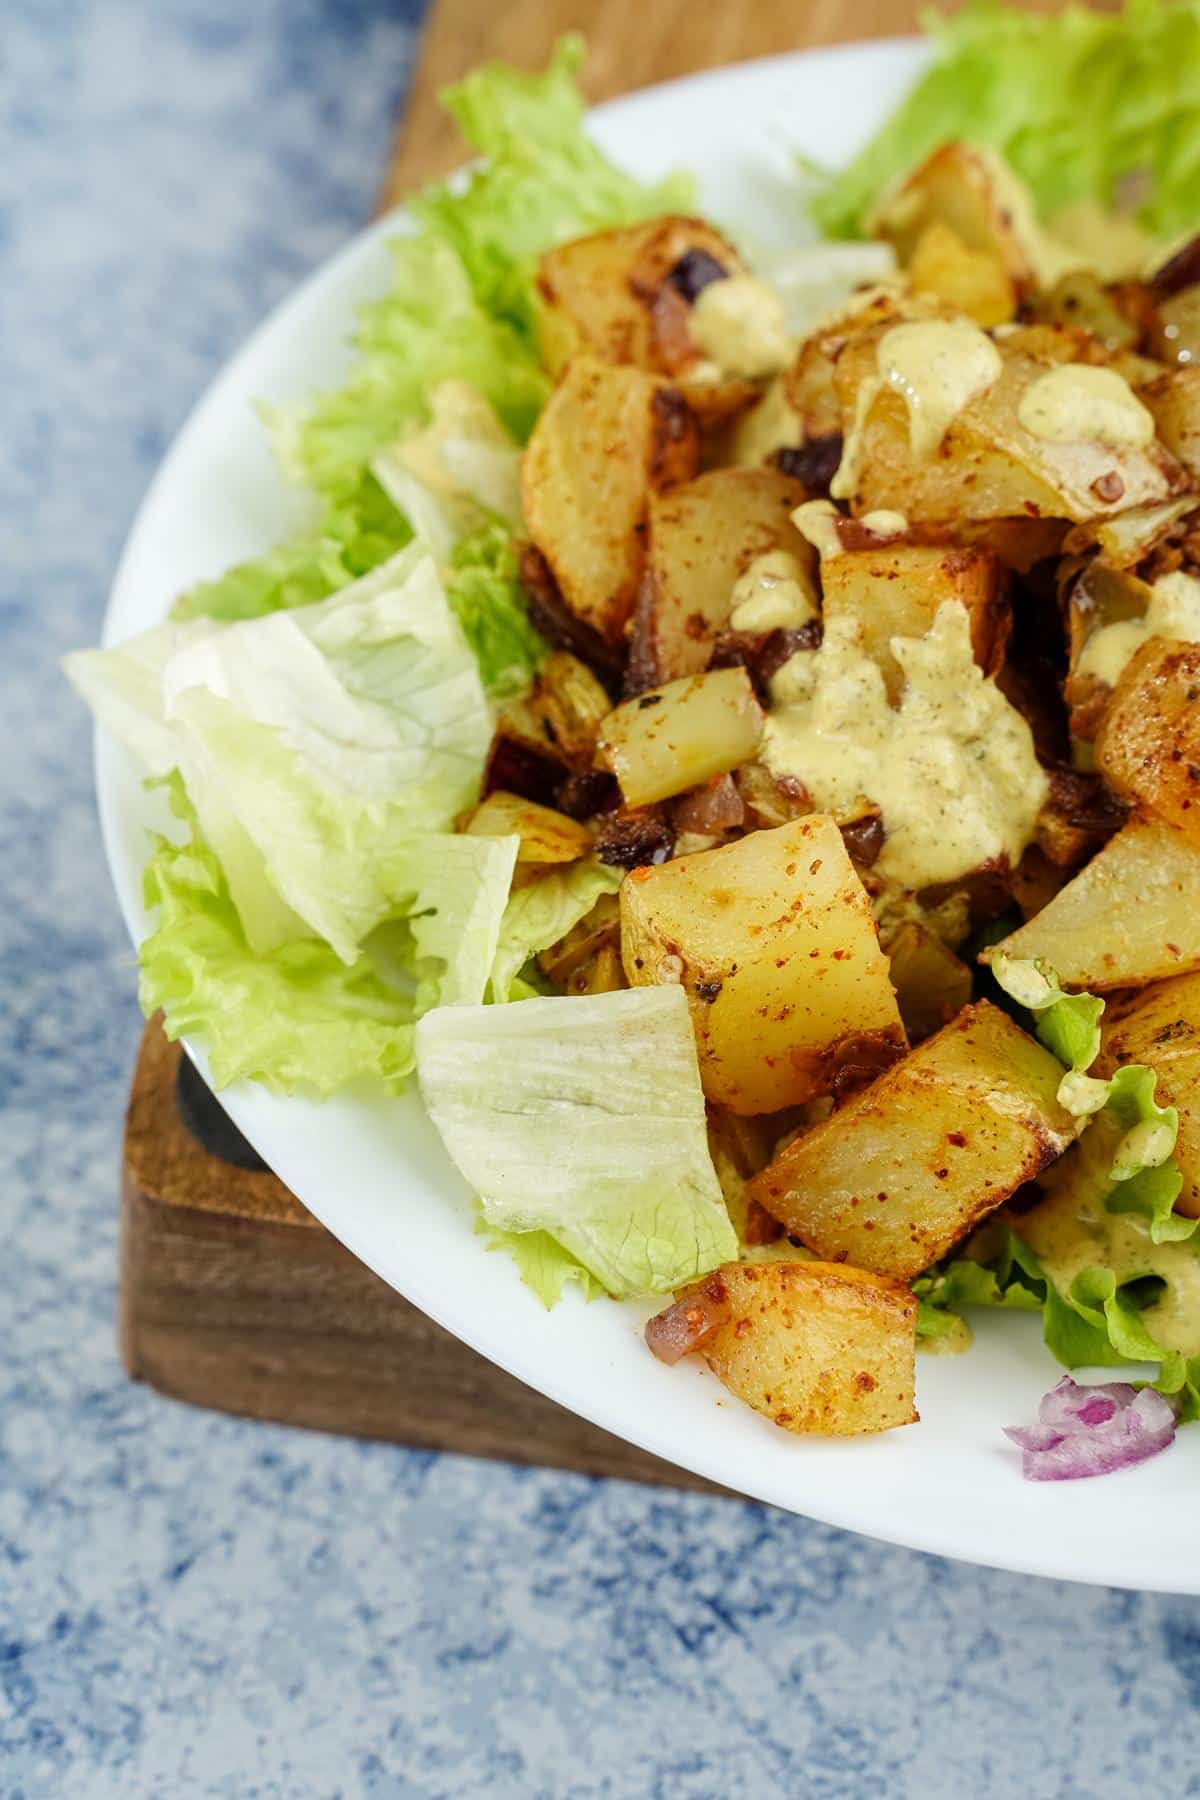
(938, 366)
(952, 766)
(1078, 403)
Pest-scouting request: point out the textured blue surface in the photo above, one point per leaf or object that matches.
(195, 1606)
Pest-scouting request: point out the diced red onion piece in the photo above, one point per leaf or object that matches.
(1092, 1430)
(688, 1324)
(717, 806)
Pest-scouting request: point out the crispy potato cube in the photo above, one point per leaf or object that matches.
(974, 281)
(988, 465)
(895, 591)
(603, 294)
(816, 1347)
(608, 437)
(773, 940)
(546, 836)
(1148, 745)
(1129, 917)
(1161, 1027)
(970, 190)
(670, 740)
(1174, 399)
(931, 983)
(701, 538)
(907, 1167)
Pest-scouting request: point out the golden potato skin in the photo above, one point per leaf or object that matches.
(818, 1347)
(1161, 1027)
(895, 591)
(606, 438)
(1174, 399)
(1127, 918)
(955, 187)
(681, 735)
(602, 294)
(974, 281)
(774, 942)
(905, 1169)
(1148, 744)
(701, 538)
(988, 465)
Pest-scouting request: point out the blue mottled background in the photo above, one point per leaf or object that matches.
(195, 1606)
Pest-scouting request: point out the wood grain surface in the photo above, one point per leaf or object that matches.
(630, 45)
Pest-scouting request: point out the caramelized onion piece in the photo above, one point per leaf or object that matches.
(717, 806)
(690, 1322)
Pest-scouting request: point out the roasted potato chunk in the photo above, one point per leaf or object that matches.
(624, 295)
(969, 190)
(931, 983)
(1174, 399)
(895, 591)
(546, 836)
(606, 439)
(1129, 917)
(894, 1179)
(1148, 745)
(816, 1347)
(1161, 1027)
(988, 465)
(670, 740)
(773, 940)
(701, 538)
(976, 282)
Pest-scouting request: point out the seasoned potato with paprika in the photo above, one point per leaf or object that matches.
(895, 591)
(990, 464)
(816, 1347)
(607, 437)
(680, 735)
(1148, 745)
(546, 836)
(969, 190)
(1129, 917)
(974, 281)
(773, 940)
(907, 1167)
(1161, 1027)
(700, 539)
(931, 983)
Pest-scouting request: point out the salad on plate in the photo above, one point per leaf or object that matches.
(729, 729)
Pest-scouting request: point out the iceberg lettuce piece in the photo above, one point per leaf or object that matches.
(584, 1118)
(538, 915)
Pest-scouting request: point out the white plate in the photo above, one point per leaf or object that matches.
(374, 1171)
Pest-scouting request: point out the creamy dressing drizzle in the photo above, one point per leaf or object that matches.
(1077, 403)
(740, 324)
(952, 766)
(775, 593)
(938, 366)
(1071, 1231)
(1173, 612)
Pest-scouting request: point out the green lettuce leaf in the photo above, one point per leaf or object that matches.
(299, 1016)
(316, 746)
(1075, 100)
(297, 1019)
(542, 182)
(1067, 1024)
(487, 599)
(542, 1264)
(584, 1118)
(538, 915)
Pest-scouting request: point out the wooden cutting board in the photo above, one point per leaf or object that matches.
(231, 1294)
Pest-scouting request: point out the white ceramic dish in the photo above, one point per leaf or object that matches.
(374, 1171)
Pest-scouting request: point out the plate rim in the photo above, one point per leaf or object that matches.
(522, 1360)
